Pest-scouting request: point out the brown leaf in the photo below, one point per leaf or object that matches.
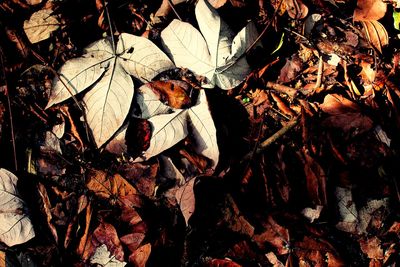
(140, 256)
(132, 241)
(275, 235)
(106, 234)
(345, 114)
(173, 93)
(47, 210)
(376, 34)
(372, 248)
(130, 216)
(82, 247)
(105, 186)
(186, 199)
(217, 3)
(221, 263)
(296, 9)
(290, 70)
(137, 137)
(368, 10)
(315, 179)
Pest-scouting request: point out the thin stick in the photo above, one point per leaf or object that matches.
(174, 10)
(282, 89)
(9, 110)
(272, 139)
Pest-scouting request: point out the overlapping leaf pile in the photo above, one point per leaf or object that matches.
(129, 154)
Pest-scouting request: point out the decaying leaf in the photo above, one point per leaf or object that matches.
(369, 10)
(372, 248)
(222, 262)
(105, 234)
(15, 225)
(107, 70)
(275, 235)
(186, 199)
(104, 258)
(296, 9)
(105, 185)
(40, 25)
(172, 93)
(132, 241)
(140, 256)
(376, 34)
(218, 55)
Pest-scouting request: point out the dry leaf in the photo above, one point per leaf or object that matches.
(274, 260)
(171, 93)
(140, 256)
(217, 3)
(47, 210)
(108, 72)
(222, 263)
(106, 234)
(275, 235)
(296, 9)
(214, 56)
(186, 199)
(15, 225)
(372, 248)
(104, 258)
(133, 241)
(40, 25)
(105, 185)
(376, 34)
(368, 10)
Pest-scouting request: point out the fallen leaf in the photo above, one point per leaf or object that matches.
(347, 210)
(47, 210)
(296, 9)
(107, 70)
(149, 103)
(106, 234)
(104, 258)
(137, 137)
(40, 25)
(275, 235)
(172, 93)
(372, 248)
(218, 55)
(274, 260)
(140, 256)
(132, 241)
(369, 10)
(217, 3)
(15, 225)
(290, 70)
(222, 263)
(106, 186)
(186, 199)
(312, 214)
(203, 130)
(376, 34)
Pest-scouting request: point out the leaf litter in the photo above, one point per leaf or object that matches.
(130, 154)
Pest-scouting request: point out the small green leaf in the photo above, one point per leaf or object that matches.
(279, 45)
(396, 19)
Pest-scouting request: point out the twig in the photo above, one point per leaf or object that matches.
(282, 89)
(109, 24)
(319, 74)
(173, 9)
(272, 139)
(7, 93)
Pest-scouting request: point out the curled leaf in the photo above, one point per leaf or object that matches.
(369, 10)
(376, 34)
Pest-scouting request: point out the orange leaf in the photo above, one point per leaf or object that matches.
(376, 34)
(296, 9)
(105, 186)
(140, 256)
(367, 10)
(172, 92)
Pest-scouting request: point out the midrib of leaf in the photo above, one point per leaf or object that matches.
(209, 135)
(108, 91)
(12, 226)
(190, 52)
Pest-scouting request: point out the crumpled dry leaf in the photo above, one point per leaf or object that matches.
(345, 114)
(372, 248)
(368, 10)
(376, 34)
(275, 235)
(15, 225)
(217, 3)
(106, 234)
(104, 258)
(296, 9)
(105, 185)
(290, 70)
(222, 263)
(273, 259)
(40, 25)
(214, 56)
(172, 93)
(108, 73)
(186, 199)
(140, 256)
(133, 240)
(312, 214)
